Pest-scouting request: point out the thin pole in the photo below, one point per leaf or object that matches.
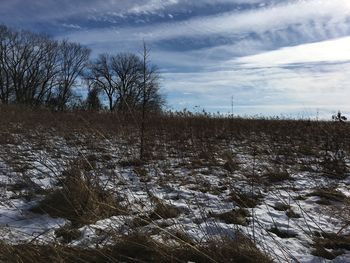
(145, 54)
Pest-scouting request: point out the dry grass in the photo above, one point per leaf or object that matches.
(238, 217)
(137, 247)
(334, 167)
(80, 199)
(244, 200)
(292, 214)
(67, 234)
(164, 211)
(330, 245)
(31, 253)
(329, 195)
(280, 206)
(282, 233)
(201, 132)
(198, 140)
(277, 175)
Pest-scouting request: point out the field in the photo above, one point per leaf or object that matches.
(208, 189)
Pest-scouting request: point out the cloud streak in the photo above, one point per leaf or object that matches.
(273, 56)
(327, 17)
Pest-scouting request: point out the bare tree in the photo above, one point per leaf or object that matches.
(31, 66)
(28, 67)
(122, 79)
(73, 59)
(151, 99)
(339, 117)
(47, 70)
(102, 77)
(127, 68)
(5, 80)
(36, 70)
(93, 102)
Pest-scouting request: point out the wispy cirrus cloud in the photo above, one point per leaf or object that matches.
(273, 56)
(300, 80)
(49, 10)
(233, 33)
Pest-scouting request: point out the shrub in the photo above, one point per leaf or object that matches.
(81, 200)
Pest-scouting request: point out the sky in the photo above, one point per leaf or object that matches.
(288, 58)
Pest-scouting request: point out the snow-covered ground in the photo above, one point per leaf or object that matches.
(199, 191)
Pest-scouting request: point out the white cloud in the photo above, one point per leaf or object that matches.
(337, 50)
(49, 10)
(151, 6)
(314, 17)
(71, 26)
(264, 90)
(263, 81)
(306, 76)
(311, 76)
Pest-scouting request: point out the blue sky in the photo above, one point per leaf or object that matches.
(273, 57)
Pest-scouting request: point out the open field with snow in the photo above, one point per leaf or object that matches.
(210, 189)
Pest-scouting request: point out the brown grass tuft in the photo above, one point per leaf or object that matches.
(238, 217)
(330, 245)
(138, 247)
(244, 200)
(80, 200)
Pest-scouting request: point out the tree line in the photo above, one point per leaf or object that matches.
(37, 70)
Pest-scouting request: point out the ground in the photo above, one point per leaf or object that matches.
(282, 186)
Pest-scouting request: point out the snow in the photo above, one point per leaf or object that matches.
(17, 224)
(194, 192)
